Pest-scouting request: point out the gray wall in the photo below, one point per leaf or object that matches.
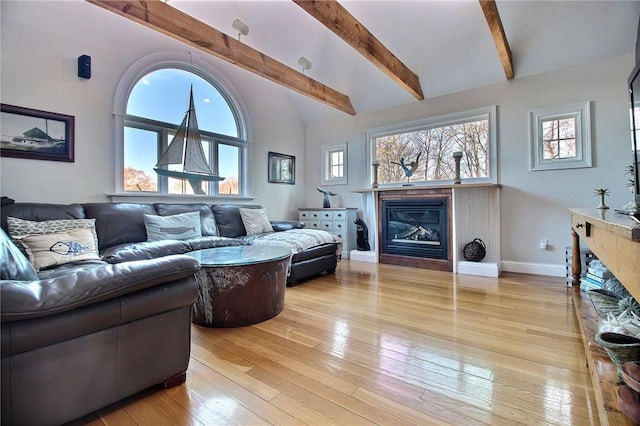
(533, 204)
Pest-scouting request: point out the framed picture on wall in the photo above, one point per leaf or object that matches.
(282, 168)
(34, 134)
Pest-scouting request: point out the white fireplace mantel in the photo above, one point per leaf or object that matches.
(476, 214)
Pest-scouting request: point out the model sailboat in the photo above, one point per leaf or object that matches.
(186, 149)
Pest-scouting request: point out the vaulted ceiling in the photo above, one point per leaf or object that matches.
(380, 54)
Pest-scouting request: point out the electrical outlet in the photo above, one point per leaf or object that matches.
(544, 244)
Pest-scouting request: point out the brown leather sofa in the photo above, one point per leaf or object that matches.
(80, 336)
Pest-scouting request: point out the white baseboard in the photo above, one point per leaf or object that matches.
(551, 270)
(363, 256)
(484, 269)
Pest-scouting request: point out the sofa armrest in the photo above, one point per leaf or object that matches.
(285, 225)
(31, 299)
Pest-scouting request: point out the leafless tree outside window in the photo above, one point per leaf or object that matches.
(436, 146)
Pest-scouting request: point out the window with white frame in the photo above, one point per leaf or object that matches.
(334, 159)
(421, 152)
(155, 108)
(560, 137)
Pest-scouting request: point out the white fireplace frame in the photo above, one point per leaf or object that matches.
(475, 214)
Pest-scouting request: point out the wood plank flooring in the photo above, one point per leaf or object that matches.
(387, 345)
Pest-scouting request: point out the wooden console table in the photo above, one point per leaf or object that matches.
(615, 240)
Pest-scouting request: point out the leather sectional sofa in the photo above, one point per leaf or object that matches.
(80, 336)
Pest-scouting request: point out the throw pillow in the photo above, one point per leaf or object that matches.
(176, 227)
(14, 265)
(57, 249)
(21, 228)
(255, 221)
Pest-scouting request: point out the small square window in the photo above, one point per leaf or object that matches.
(334, 158)
(560, 137)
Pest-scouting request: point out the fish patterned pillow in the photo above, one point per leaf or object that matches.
(49, 250)
(181, 226)
(21, 228)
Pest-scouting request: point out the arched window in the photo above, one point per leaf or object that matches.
(155, 108)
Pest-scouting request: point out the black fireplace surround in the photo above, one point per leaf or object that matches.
(416, 228)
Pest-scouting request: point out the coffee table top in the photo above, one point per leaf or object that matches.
(239, 255)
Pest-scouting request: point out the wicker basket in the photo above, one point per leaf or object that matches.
(620, 348)
(474, 251)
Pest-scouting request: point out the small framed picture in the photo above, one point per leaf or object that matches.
(34, 134)
(282, 168)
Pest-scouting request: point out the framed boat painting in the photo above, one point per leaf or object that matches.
(282, 168)
(34, 134)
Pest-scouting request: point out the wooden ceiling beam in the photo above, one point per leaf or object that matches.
(492, 16)
(161, 17)
(336, 18)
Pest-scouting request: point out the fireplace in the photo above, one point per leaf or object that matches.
(414, 229)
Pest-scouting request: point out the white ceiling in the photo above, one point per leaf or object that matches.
(446, 43)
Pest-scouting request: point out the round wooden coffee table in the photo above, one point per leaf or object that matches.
(240, 285)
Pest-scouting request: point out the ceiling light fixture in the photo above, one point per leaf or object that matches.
(240, 27)
(304, 63)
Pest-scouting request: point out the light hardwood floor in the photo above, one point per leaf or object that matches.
(382, 344)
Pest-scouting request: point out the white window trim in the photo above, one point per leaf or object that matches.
(469, 115)
(189, 62)
(582, 113)
(327, 150)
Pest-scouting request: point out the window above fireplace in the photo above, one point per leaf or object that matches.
(421, 152)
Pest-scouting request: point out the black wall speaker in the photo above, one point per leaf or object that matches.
(84, 66)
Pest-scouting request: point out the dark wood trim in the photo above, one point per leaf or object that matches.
(492, 16)
(603, 371)
(178, 25)
(337, 19)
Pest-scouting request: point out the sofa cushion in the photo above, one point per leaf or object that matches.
(229, 220)
(175, 227)
(14, 265)
(144, 250)
(255, 221)
(40, 212)
(207, 220)
(49, 250)
(119, 223)
(22, 300)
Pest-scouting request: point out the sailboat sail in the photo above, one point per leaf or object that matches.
(186, 149)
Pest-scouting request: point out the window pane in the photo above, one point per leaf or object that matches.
(427, 154)
(567, 148)
(336, 165)
(550, 130)
(163, 95)
(550, 150)
(140, 155)
(558, 139)
(181, 186)
(229, 166)
(568, 128)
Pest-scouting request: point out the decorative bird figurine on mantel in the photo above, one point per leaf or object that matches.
(408, 170)
(325, 202)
